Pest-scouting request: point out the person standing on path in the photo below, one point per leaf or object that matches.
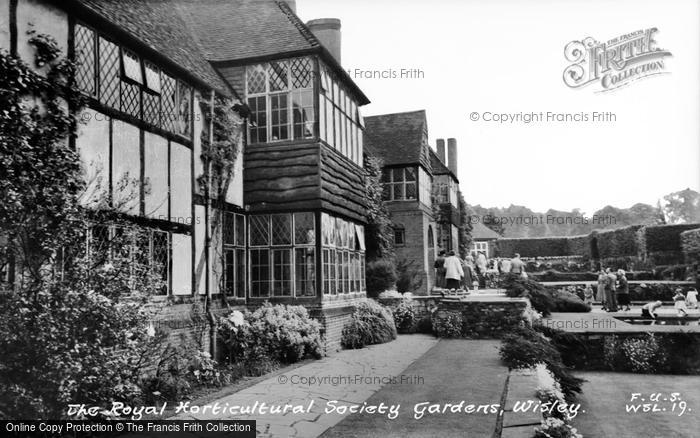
(440, 270)
(610, 298)
(691, 299)
(517, 266)
(453, 271)
(623, 290)
(600, 295)
(468, 276)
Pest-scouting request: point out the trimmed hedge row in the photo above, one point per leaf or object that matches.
(690, 242)
(633, 246)
(540, 246)
(619, 242)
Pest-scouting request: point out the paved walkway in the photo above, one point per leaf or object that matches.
(456, 372)
(599, 321)
(349, 377)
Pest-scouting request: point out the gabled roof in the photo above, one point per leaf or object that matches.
(156, 25)
(439, 167)
(482, 232)
(236, 32)
(398, 139)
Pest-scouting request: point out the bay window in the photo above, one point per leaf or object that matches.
(282, 261)
(280, 97)
(343, 256)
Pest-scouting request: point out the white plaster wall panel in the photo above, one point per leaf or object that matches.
(92, 143)
(182, 264)
(126, 167)
(43, 18)
(180, 184)
(156, 176)
(5, 24)
(234, 195)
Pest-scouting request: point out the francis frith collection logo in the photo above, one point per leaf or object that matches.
(615, 63)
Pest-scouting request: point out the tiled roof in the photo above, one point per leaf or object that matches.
(229, 30)
(398, 139)
(482, 232)
(158, 25)
(439, 167)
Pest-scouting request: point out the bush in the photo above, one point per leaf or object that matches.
(449, 327)
(371, 323)
(556, 428)
(41, 373)
(280, 333)
(636, 354)
(408, 277)
(565, 301)
(380, 275)
(526, 347)
(540, 298)
(405, 317)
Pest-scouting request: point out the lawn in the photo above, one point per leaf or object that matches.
(452, 371)
(606, 394)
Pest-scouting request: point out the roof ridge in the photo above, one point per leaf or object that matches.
(300, 25)
(396, 114)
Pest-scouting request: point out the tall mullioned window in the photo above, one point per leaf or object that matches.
(282, 255)
(340, 123)
(234, 255)
(343, 246)
(280, 97)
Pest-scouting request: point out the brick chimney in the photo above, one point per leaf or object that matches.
(441, 150)
(452, 155)
(327, 30)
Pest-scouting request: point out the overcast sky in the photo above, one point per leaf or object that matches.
(505, 56)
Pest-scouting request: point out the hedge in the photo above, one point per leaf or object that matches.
(690, 242)
(619, 242)
(665, 237)
(540, 246)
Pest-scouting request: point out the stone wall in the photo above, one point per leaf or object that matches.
(487, 318)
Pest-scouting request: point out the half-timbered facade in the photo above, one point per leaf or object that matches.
(291, 226)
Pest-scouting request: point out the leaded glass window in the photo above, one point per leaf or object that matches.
(259, 230)
(259, 273)
(240, 230)
(152, 77)
(400, 183)
(184, 109)
(279, 114)
(109, 73)
(305, 271)
(256, 78)
(281, 229)
(131, 67)
(85, 49)
(282, 272)
(278, 76)
(168, 102)
(258, 114)
(304, 229)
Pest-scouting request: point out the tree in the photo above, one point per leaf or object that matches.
(682, 207)
(378, 232)
(465, 227)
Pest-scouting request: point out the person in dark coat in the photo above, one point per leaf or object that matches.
(623, 290)
(440, 270)
(610, 299)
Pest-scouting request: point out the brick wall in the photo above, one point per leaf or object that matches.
(415, 223)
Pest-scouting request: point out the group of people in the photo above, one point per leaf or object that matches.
(613, 290)
(452, 272)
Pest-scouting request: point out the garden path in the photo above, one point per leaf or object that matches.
(349, 377)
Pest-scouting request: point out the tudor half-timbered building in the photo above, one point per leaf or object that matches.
(290, 228)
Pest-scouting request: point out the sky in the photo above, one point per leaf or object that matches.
(507, 57)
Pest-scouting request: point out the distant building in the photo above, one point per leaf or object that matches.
(482, 238)
(420, 191)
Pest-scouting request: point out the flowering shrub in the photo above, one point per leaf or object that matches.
(282, 333)
(643, 355)
(448, 327)
(549, 389)
(405, 317)
(555, 428)
(371, 323)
